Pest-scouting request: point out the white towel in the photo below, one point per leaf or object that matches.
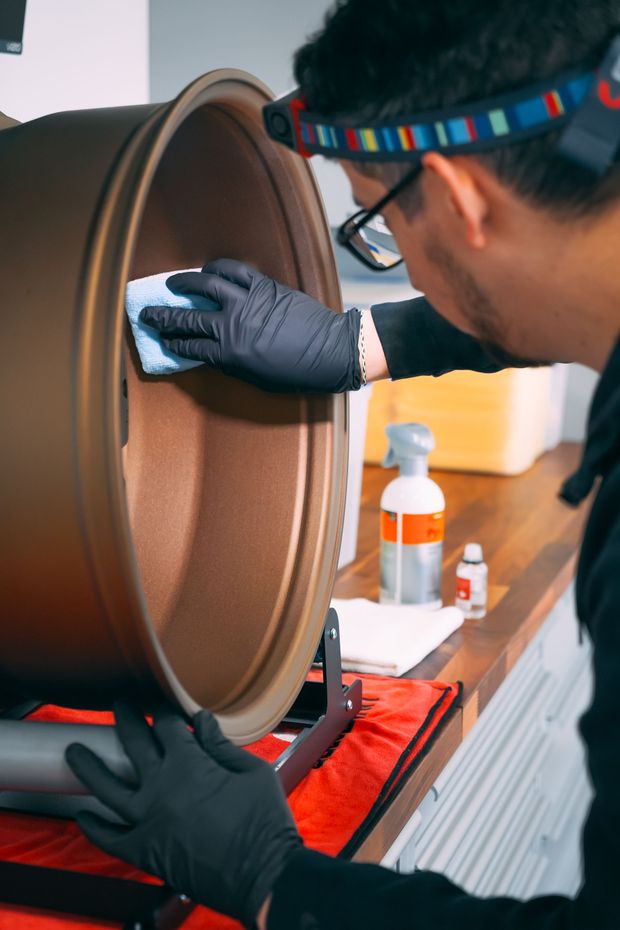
(382, 639)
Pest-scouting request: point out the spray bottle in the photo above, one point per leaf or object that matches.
(412, 521)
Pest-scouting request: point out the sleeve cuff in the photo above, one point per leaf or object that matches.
(417, 340)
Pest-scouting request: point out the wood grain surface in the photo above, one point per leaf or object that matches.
(530, 541)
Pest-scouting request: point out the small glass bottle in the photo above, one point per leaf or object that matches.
(472, 582)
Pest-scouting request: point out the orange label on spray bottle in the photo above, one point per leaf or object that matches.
(418, 528)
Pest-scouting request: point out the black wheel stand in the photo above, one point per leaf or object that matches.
(324, 710)
(134, 905)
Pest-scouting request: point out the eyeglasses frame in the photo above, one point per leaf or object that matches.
(345, 232)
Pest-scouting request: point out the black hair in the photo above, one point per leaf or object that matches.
(399, 57)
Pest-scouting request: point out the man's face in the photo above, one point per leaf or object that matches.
(469, 281)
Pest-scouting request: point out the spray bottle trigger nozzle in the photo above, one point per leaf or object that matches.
(390, 458)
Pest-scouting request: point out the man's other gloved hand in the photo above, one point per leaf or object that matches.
(204, 815)
(265, 333)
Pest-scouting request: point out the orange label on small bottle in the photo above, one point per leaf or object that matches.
(417, 527)
(463, 588)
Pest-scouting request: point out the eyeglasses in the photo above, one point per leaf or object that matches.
(366, 235)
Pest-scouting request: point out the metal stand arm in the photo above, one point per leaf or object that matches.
(324, 708)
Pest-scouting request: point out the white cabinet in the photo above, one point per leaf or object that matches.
(505, 815)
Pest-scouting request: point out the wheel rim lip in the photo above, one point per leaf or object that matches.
(128, 189)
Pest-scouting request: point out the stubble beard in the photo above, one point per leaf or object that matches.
(478, 309)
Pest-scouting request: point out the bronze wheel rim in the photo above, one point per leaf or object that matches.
(207, 577)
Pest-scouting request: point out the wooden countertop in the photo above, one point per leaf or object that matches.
(530, 542)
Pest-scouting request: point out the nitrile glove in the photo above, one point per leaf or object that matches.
(206, 816)
(265, 333)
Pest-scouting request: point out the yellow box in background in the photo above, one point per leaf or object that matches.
(484, 423)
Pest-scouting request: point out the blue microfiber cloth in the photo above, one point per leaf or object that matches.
(153, 292)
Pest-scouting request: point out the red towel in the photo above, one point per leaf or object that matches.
(335, 806)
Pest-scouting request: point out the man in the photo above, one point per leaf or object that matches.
(514, 243)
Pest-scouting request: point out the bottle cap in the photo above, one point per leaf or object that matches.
(473, 552)
(407, 441)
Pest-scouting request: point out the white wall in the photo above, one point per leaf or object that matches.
(77, 54)
(190, 37)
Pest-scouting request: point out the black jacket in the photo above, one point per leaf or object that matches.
(317, 892)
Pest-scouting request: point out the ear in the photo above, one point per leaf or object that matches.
(466, 197)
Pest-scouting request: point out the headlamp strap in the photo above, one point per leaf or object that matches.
(585, 104)
(463, 129)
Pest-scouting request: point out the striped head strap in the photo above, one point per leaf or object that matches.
(586, 105)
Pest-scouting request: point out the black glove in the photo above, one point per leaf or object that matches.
(265, 333)
(206, 816)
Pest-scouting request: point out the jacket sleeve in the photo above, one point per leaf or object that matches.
(416, 340)
(317, 892)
